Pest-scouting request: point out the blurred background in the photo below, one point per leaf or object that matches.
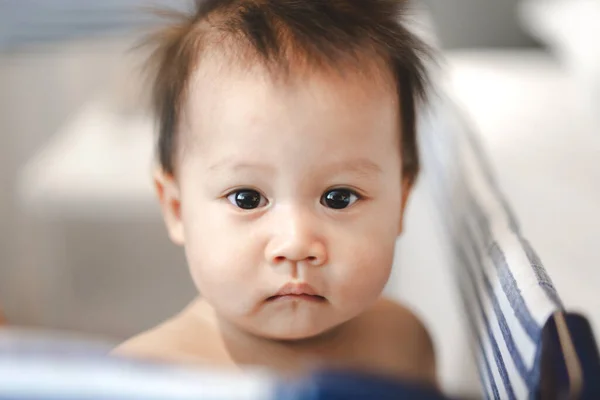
(82, 246)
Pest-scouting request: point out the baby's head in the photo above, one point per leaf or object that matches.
(287, 151)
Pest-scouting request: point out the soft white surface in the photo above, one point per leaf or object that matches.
(569, 26)
(571, 29)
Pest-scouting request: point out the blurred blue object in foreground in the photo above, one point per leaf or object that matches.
(46, 368)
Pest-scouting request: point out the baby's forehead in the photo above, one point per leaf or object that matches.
(236, 112)
(230, 97)
(222, 81)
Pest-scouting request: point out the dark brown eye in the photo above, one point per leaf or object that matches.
(339, 199)
(247, 199)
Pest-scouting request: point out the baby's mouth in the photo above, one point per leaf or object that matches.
(306, 297)
(297, 291)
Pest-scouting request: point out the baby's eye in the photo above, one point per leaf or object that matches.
(247, 199)
(339, 199)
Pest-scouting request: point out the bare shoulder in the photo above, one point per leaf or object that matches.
(403, 336)
(157, 343)
(168, 342)
(397, 316)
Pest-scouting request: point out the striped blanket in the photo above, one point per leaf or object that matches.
(508, 297)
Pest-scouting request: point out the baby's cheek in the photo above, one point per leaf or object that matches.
(222, 269)
(362, 275)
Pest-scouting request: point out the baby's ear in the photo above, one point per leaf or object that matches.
(407, 186)
(167, 190)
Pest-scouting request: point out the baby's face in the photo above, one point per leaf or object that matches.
(295, 184)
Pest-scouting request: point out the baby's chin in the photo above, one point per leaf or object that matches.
(298, 333)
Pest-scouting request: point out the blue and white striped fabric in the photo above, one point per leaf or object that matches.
(508, 297)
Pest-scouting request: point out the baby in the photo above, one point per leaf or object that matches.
(287, 155)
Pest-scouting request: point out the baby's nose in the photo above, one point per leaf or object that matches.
(297, 240)
(293, 250)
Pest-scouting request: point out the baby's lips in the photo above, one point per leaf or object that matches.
(296, 288)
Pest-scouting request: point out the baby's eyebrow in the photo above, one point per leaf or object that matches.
(239, 165)
(359, 166)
